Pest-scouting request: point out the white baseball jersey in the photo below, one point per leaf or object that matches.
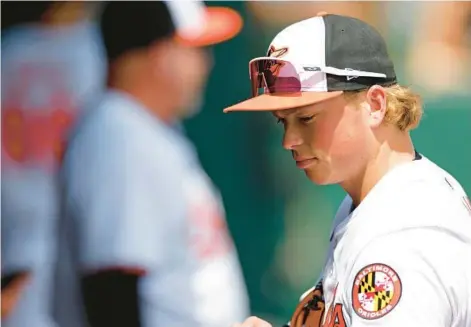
(403, 256)
(136, 196)
(48, 74)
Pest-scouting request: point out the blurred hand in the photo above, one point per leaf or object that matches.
(253, 322)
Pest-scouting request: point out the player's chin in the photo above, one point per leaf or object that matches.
(319, 177)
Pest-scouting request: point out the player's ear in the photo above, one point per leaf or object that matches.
(377, 102)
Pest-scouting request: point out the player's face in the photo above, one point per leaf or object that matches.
(330, 141)
(193, 72)
(184, 71)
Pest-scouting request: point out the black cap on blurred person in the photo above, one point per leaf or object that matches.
(23, 12)
(130, 25)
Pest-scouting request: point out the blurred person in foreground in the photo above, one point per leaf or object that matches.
(52, 64)
(330, 83)
(143, 224)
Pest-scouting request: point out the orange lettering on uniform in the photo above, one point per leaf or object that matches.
(33, 137)
(12, 134)
(335, 317)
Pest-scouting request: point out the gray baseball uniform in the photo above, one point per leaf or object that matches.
(137, 197)
(48, 73)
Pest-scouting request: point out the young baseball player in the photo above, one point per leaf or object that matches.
(400, 247)
(52, 65)
(144, 237)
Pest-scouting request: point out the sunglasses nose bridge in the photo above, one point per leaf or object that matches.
(258, 82)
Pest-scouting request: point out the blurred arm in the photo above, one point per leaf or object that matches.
(111, 298)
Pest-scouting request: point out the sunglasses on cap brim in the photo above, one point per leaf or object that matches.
(272, 75)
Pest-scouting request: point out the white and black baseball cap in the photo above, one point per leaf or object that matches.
(317, 59)
(128, 25)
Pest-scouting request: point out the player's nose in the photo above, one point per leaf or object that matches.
(291, 139)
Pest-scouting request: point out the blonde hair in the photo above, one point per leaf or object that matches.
(404, 106)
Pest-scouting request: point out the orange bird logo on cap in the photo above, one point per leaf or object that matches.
(277, 53)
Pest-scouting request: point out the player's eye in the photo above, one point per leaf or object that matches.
(306, 119)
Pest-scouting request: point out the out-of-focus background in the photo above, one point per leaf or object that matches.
(280, 221)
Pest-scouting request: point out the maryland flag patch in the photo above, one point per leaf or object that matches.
(376, 291)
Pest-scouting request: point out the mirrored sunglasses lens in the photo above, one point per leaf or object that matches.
(274, 76)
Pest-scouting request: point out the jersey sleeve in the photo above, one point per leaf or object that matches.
(122, 202)
(399, 282)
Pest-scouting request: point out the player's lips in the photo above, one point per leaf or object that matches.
(304, 163)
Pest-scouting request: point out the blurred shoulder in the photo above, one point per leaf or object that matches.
(118, 125)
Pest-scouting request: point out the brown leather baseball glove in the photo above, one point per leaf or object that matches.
(310, 310)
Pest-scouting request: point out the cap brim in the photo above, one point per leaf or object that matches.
(222, 24)
(274, 102)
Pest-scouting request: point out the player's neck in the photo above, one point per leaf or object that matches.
(159, 109)
(388, 156)
(152, 99)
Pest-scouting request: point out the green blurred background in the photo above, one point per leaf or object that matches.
(279, 220)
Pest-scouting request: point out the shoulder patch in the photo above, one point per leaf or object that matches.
(376, 291)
